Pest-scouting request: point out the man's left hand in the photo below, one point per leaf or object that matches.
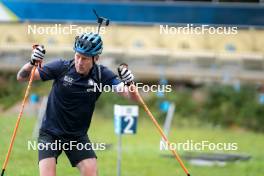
(125, 74)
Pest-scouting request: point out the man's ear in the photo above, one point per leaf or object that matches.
(96, 58)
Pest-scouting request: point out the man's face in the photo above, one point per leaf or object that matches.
(83, 64)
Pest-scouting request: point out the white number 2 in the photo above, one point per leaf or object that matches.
(130, 121)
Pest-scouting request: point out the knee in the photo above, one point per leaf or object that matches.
(47, 167)
(88, 167)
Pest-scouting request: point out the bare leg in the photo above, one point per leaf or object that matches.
(47, 167)
(88, 167)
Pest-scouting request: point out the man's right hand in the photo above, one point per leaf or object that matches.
(37, 55)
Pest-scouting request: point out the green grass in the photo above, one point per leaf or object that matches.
(141, 155)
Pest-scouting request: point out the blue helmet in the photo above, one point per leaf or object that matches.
(88, 44)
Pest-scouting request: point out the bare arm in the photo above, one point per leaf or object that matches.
(24, 73)
(37, 57)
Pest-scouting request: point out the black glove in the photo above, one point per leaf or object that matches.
(125, 74)
(37, 55)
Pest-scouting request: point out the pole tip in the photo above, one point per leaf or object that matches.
(188, 174)
(3, 171)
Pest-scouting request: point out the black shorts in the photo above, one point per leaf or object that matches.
(76, 149)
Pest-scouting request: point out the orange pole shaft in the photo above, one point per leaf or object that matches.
(160, 131)
(18, 120)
